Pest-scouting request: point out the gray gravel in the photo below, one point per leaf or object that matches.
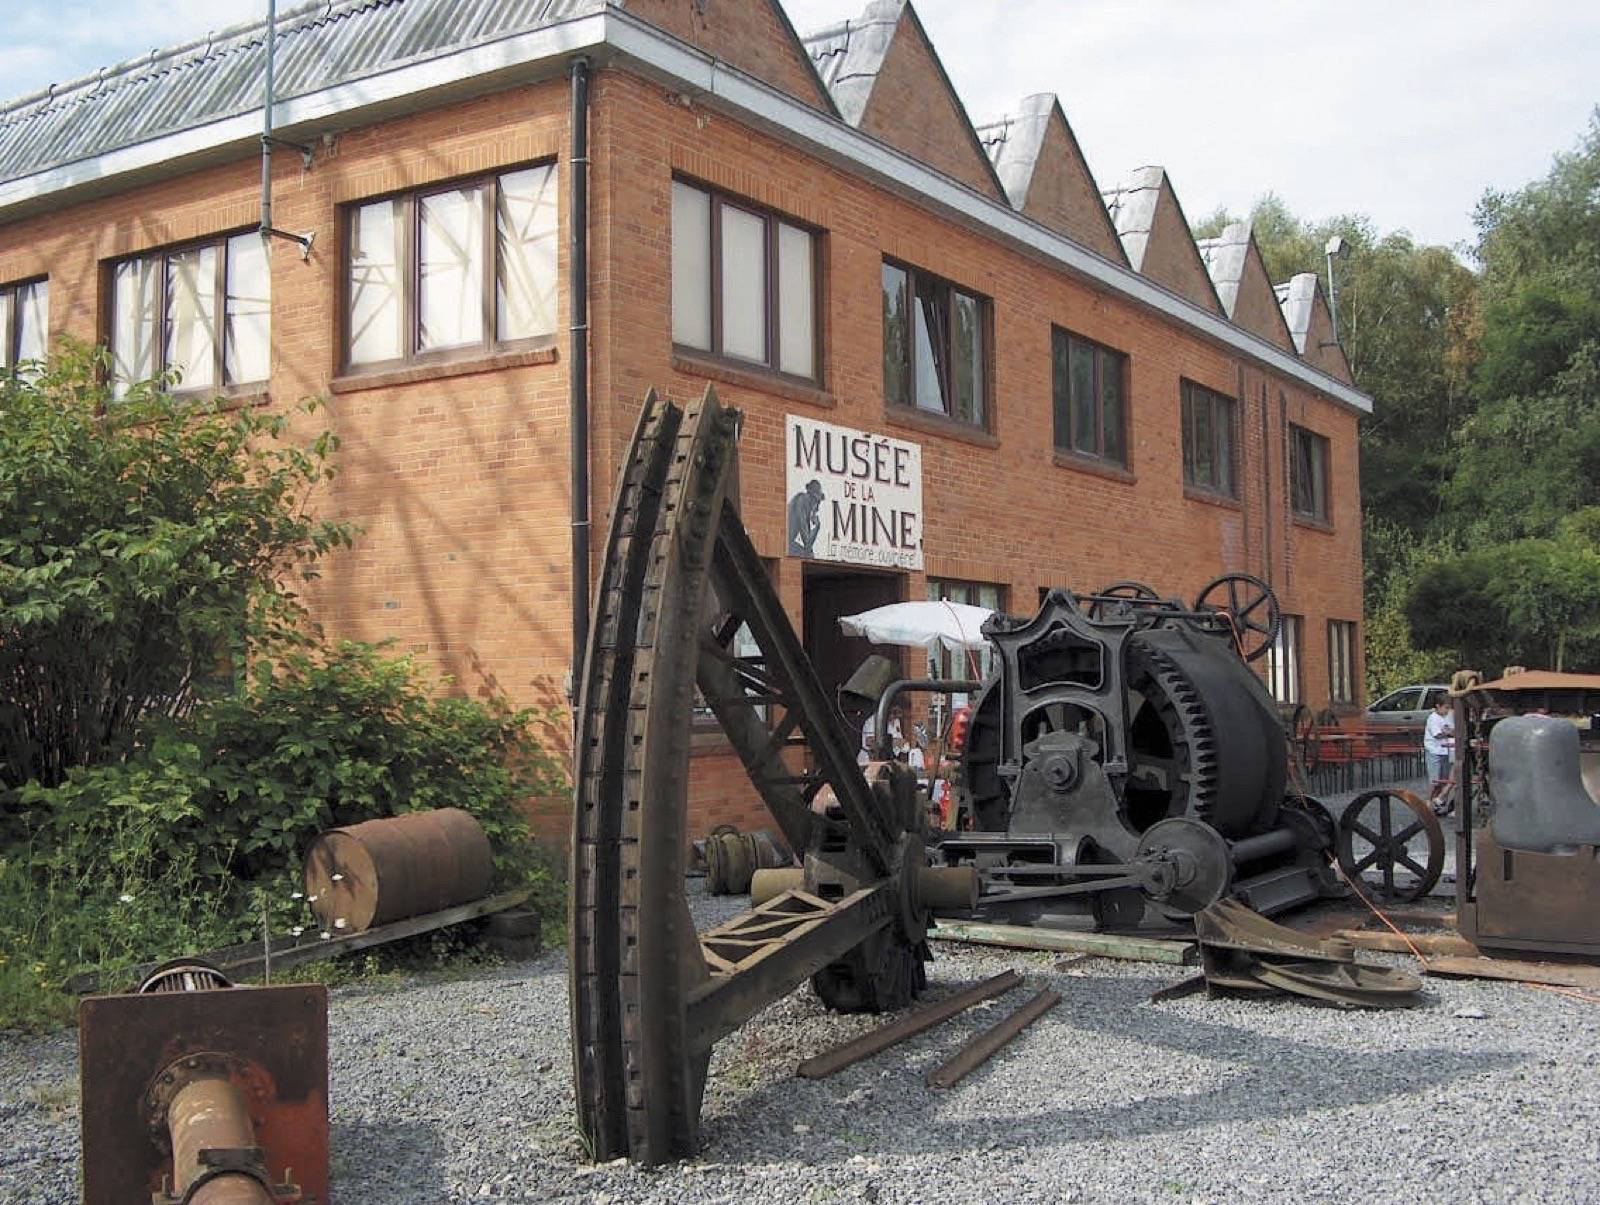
(460, 1090)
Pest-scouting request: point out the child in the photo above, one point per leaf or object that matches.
(1438, 746)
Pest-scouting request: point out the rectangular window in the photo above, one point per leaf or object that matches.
(1308, 474)
(975, 665)
(1283, 662)
(24, 323)
(743, 283)
(935, 337)
(1341, 661)
(1088, 388)
(466, 269)
(165, 308)
(1208, 440)
(945, 664)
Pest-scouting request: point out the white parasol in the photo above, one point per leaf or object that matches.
(928, 625)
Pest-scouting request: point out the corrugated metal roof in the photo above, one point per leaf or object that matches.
(849, 56)
(1132, 207)
(1013, 144)
(318, 45)
(1225, 258)
(1296, 299)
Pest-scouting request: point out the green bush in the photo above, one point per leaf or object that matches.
(152, 802)
(186, 843)
(143, 541)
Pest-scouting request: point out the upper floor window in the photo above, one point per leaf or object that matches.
(1341, 661)
(24, 321)
(466, 268)
(1209, 439)
(201, 312)
(744, 283)
(1308, 474)
(934, 342)
(1088, 383)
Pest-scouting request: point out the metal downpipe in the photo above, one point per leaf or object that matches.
(578, 374)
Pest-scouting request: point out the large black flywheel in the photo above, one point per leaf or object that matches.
(1203, 734)
(980, 791)
(1203, 740)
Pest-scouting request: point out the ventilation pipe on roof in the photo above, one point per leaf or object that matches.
(268, 142)
(578, 373)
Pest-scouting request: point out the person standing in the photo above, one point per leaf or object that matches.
(1438, 749)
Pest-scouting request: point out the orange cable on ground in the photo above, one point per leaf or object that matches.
(1299, 790)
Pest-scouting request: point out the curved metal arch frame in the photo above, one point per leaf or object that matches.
(650, 995)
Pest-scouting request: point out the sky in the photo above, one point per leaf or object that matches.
(1404, 110)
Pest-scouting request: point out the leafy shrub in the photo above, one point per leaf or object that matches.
(190, 840)
(141, 541)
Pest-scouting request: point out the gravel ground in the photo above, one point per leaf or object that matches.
(460, 1090)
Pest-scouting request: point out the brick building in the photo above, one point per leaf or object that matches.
(811, 224)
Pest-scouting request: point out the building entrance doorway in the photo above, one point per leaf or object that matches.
(831, 591)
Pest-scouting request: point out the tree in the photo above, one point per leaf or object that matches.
(1519, 602)
(1407, 321)
(143, 542)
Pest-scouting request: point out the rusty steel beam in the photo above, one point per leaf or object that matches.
(908, 1026)
(982, 1047)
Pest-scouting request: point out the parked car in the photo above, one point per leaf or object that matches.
(1407, 707)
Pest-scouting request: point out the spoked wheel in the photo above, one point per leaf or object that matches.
(1108, 600)
(1305, 738)
(1394, 834)
(1250, 605)
(650, 995)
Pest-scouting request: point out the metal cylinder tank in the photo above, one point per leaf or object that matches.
(386, 870)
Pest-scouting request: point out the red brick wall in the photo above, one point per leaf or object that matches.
(460, 481)
(913, 108)
(1062, 193)
(1000, 508)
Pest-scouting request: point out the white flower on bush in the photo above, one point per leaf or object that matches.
(339, 922)
(326, 935)
(125, 898)
(297, 930)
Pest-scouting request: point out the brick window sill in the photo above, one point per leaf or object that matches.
(1100, 468)
(411, 374)
(752, 378)
(244, 399)
(1311, 524)
(939, 424)
(1212, 498)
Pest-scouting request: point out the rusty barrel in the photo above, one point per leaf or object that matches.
(386, 870)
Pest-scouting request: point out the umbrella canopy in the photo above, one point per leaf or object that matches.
(927, 625)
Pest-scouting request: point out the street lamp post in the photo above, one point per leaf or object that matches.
(1336, 248)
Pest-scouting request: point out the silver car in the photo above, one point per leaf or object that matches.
(1407, 707)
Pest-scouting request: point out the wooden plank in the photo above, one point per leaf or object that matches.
(1451, 945)
(383, 934)
(1105, 945)
(1559, 974)
(243, 960)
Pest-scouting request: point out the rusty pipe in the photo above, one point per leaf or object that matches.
(206, 1117)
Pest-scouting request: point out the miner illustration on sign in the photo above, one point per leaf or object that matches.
(805, 519)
